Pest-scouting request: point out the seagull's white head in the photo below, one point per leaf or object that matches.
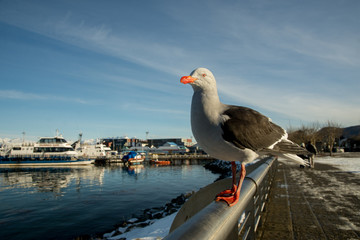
(200, 79)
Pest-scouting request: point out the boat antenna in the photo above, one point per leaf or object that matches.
(80, 137)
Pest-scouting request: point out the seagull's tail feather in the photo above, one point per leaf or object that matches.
(289, 150)
(287, 146)
(295, 158)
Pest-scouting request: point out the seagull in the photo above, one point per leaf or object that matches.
(234, 133)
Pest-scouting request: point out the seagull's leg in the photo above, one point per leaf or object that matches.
(233, 169)
(233, 189)
(241, 180)
(231, 197)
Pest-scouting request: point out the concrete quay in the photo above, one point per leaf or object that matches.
(319, 203)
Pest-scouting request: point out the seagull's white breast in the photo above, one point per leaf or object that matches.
(206, 122)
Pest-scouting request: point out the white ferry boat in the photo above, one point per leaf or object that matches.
(94, 151)
(47, 151)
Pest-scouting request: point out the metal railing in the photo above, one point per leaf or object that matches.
(219, 221)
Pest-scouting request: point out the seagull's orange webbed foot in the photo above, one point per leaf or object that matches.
(227, 192)
(230, 200)
(231, 196)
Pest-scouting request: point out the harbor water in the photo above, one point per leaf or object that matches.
(66, 202)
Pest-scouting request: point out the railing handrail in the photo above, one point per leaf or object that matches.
(219, 221)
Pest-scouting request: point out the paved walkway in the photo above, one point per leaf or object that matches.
(320, 203)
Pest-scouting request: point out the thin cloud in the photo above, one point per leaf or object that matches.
(19, 95)
(304, 42)
(303, 106)
(101, 38)
(141, 108)
(13, 94)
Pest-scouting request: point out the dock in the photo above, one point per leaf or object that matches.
(278, 200)
(175, 159)
(179, 159)
(319, 203)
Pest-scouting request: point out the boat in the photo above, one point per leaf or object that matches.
(94, 151)
(133, 158)
(47, 151)
(97, 151)
(160, 162)
(2, 151)
(155, 160)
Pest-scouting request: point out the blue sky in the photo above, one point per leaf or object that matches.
(112, 68)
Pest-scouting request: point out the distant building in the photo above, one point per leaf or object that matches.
(170, 148)
(124, 143)
(120, 144)
(196, 149)
(181, 142)
(350, 139)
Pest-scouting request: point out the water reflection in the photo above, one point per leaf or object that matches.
(134, 170)
(50, 179)
(61, 203)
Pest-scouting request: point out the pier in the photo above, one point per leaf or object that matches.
(175, 159)
(320, 203)
(184, 156)
(178, 159)
(281, 201)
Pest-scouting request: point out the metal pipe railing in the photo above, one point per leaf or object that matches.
(219, 221)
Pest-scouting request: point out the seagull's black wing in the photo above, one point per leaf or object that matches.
(247, 128)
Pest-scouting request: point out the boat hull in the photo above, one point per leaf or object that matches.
(21, 163)
(133, 161)
(160, 162)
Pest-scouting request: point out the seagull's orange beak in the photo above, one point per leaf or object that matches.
(187, 79)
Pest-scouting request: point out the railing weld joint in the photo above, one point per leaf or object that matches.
(256, 185)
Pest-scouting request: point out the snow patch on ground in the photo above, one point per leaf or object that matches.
(346, 164)
(158, 230)
(333, 187)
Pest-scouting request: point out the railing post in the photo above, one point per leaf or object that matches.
(248, 230)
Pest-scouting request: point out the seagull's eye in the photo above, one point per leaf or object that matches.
(204, 75)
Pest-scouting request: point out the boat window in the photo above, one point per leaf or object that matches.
(37, 149)
(44, 140)
(60, 140)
